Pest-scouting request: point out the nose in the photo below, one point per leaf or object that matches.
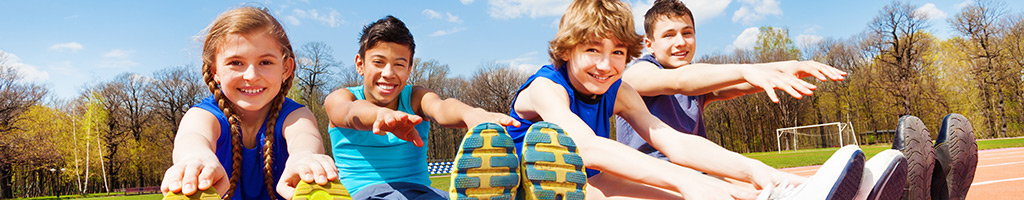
(388, 71)
(605, 63)
(250, 73)
(681, 41)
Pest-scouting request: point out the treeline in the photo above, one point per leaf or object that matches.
(119, 133)
(897, 67)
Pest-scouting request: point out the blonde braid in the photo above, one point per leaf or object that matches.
(269, 135)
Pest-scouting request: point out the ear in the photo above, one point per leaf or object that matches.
(289, 67)
(648, 43)
(359, 64)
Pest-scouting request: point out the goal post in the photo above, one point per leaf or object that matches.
(835, 134)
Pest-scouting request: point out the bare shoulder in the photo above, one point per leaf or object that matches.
(198, 122)
(541, 94)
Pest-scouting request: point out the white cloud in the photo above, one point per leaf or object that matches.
(747, 39)
(452, 18)
(511, 9)
(292, 20)
(117, 53)
(526, 63)
(118, 59)
(930, 11)
(754, 10)
(961, 5)
(28, 72)
(807, 40)
(466, 2)
(331, 18)
(703, 10)
(447, 32)
(70, 46)
(431, 14)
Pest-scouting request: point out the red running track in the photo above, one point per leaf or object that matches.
(1000, 174)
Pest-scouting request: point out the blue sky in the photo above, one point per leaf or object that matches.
(69, 44)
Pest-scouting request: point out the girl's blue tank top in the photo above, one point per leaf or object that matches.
(251, 184)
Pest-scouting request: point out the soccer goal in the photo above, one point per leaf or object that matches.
(835, 134)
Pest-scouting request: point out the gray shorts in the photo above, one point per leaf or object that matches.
(400, 191)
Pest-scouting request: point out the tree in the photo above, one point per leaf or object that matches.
(172, 92)
(313, 79)
(897, 42)
(16, 97)
(979, 24)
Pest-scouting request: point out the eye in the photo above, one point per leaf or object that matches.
(266, 62)
(590, 50)
(668, 35)
(687, 33)
(619, 52)
(234, 63)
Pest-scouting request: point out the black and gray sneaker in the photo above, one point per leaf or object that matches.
(956, 158)
(913, 140)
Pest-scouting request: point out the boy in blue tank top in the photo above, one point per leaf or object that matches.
(677, 95)
(378, 132)
(581, 90)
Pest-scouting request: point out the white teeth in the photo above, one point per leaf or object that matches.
(386, 87)
(252, 91)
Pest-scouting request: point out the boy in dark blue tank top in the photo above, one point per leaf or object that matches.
(677, 95)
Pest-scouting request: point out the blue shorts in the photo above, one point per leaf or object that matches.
(400, 191)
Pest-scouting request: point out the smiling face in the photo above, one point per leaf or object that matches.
(385, 68)
(672, 41)
(250, 69)
(594, 66)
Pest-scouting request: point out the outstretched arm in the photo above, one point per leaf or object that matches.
(453, 113)
(682, 149)
(547, 100)
(726, 81)
(306, 161)
(196, 167)
(345, 111)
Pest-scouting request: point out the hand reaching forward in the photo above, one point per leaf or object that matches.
(401, 124)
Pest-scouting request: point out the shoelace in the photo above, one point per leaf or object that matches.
(782, 191)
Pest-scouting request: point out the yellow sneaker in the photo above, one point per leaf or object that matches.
(210, 194)
(486, 165)
(332, 191)
(552, 166)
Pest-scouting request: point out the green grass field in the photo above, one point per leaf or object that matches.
(775, 159)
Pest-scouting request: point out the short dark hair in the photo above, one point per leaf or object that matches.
(665, 8)
(387, 29)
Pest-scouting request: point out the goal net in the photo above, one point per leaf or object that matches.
(835, 134)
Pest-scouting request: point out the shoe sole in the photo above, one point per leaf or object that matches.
(209, 194)
(848, 183)
(956, 154)
(892, 167)
(486, 166)
(913, 140)
(552, 166)
(332, 191)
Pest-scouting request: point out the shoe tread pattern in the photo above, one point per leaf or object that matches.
(963, 155)
(890, 185)
(552, 166)
(913, 140)
(209, 194)
(849, 182)
(486, 166)
(312, 191)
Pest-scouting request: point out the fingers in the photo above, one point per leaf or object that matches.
(415, 138)
(318, 173)
(172, 179)
(189, 178)
(207, 175)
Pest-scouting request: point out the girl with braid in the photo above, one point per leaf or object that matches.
(247, 140)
